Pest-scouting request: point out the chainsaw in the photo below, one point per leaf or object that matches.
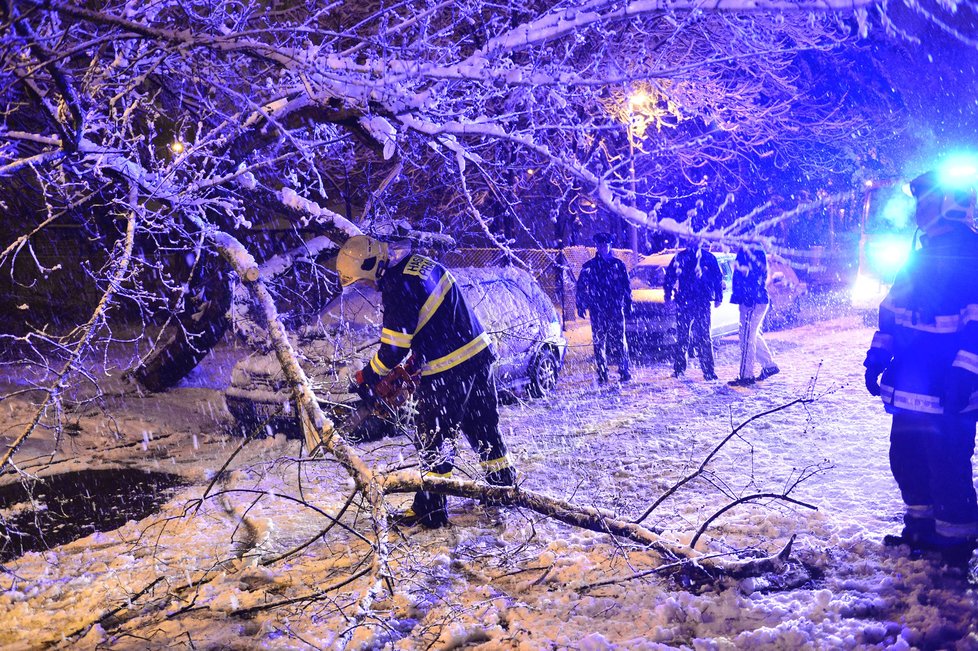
(385, 398)
(382, 401)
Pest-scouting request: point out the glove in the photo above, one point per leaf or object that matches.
(872, 381)
(361, 387)
(581, 312)
(957, 390)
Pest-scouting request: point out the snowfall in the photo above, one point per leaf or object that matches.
(500, 578)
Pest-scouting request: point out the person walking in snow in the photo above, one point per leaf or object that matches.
(426, 313)
(750, 293)
(926, 350)
(603, 290)
(694, 278)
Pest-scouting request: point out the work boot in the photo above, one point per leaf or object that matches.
(428, 510)
(502, 477)
(918, 534)
(957, 552)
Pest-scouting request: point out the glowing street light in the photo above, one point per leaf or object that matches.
(637, 102)
(177, 147)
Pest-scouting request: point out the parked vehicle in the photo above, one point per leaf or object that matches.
(510, 304)
(653, 321)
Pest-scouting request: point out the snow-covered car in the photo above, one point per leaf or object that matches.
(519, 317)
(653, 321)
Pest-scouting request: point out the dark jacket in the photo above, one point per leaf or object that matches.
(750, 277)
(928, 326)
(426, 313)
(694, 276)
(603, 288)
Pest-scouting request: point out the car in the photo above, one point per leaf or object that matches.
(521, 320)
(652, 324)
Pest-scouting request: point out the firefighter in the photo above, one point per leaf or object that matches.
(694, 278)
(425, 313)
(603, 291)
(926, 350)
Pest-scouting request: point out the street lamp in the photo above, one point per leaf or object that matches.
(637, 101)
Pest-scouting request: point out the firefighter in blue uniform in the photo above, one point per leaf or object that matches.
(425, 313)
(694, 278)
(603, 291)
(926, 350)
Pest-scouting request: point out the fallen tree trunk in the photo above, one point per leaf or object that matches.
(586, 517)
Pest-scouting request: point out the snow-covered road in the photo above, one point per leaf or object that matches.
(511, 579)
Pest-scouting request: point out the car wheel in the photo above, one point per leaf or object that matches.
(249, 417)
(543, 374)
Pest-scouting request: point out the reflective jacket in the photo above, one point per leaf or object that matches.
(425, 313)
(929, 323)
(603, 288)
(694, 276)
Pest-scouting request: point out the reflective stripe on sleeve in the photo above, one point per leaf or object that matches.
(495, 465)
(457, 356)
(943, 324)
(970, 313)
(434, 300)
(378, 366)
(882, 341)
(911, 401)
(437, 475)
(967, 361)
(394, 338)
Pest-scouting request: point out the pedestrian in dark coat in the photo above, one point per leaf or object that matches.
(750, 293)
(694, 279)
(926, 349)
(603, 291)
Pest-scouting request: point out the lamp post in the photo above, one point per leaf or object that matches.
(636, 100)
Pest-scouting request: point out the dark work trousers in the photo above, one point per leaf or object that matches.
(696, 317)
(461, 398)
(608, 335)
(930, 457)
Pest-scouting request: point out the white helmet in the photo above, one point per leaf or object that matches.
(361, 258)
(957, 200)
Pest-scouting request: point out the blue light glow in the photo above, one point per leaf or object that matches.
(959, 170)
(887, 255)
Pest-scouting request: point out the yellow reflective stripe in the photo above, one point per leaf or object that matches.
(394, 338)
(920, 510)
(969, 313)
(494, 465)
(882, 341)
(439, 475)
(378, 366)
(434, 301)
(457, 356)
(942, 324)
(967, 361)
(913, 401)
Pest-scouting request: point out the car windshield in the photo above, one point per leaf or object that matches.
(648, 277)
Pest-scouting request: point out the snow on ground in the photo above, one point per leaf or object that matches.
(504, 578)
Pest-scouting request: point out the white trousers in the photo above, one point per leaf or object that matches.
(752, 344)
